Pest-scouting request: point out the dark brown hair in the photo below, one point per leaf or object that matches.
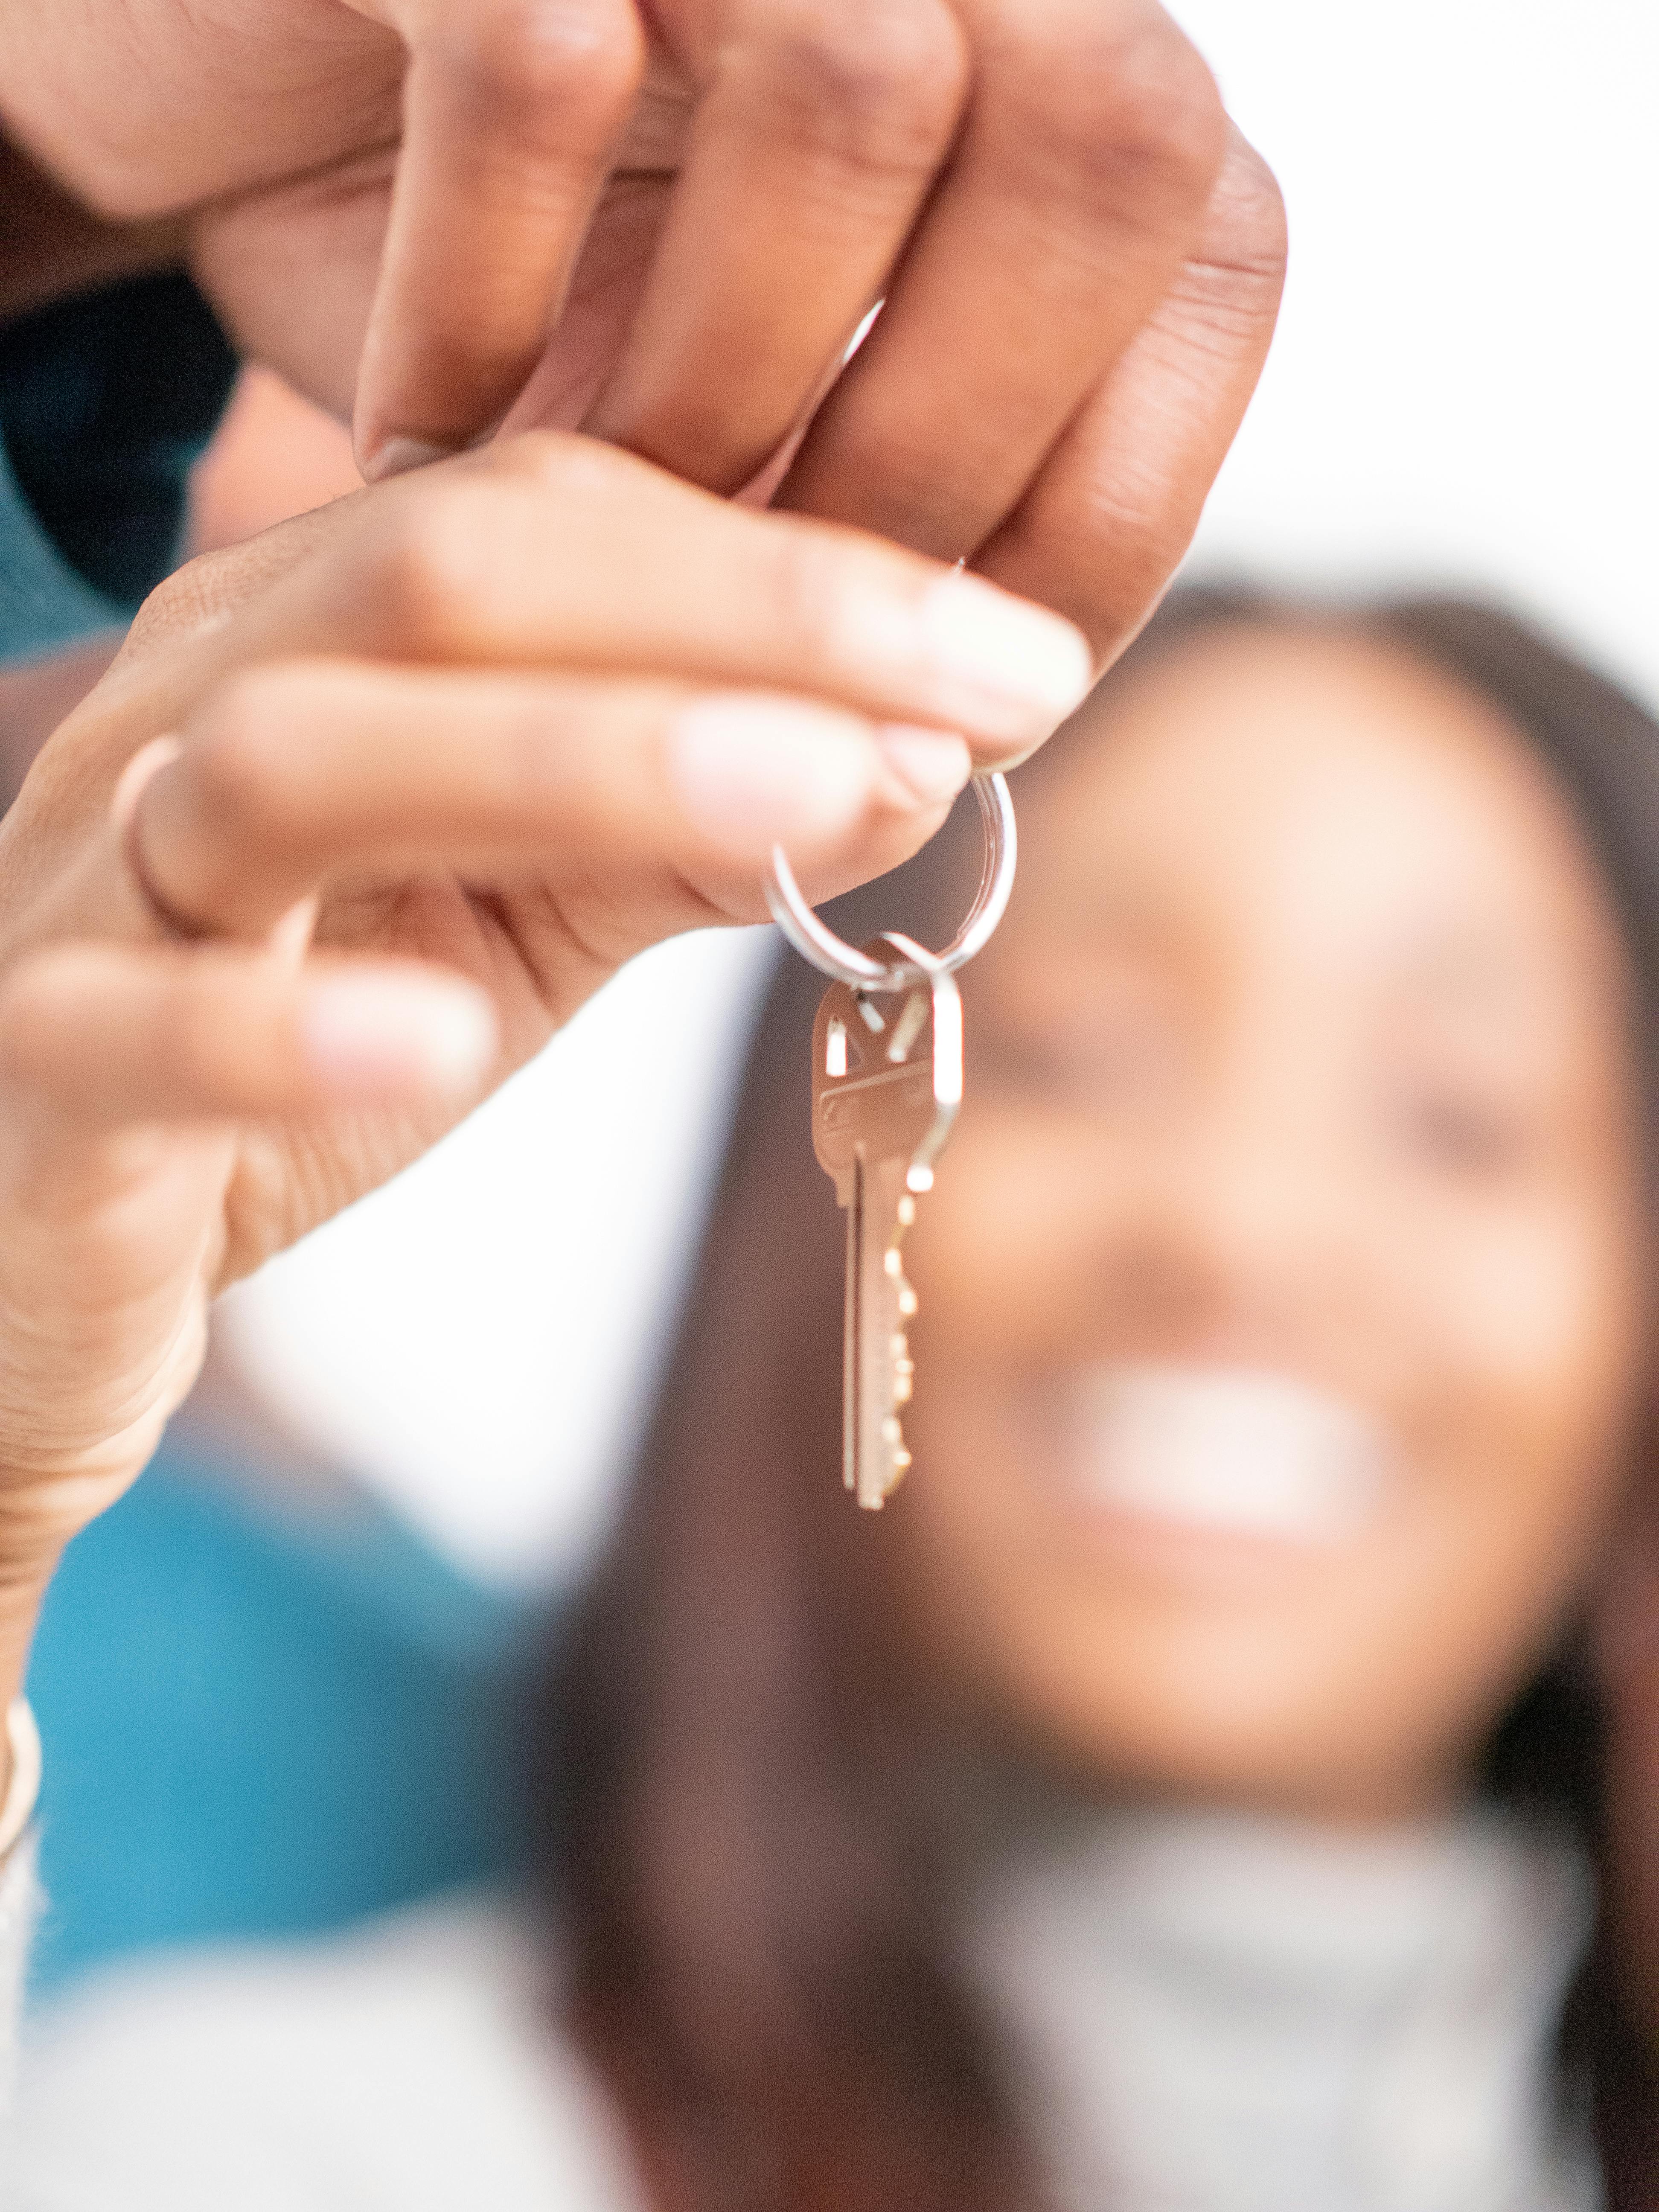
(756, 1914)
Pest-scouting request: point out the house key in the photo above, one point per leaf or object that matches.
(886, 1083)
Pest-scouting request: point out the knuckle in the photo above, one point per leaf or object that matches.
(537, 64)
(875, 85)
(1252, 234)
(578, 471)
(240, 763)
(1225, 302)
(1129, 108)
(425, 569)
(180, 604)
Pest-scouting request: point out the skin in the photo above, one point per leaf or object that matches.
(1304, 1047)
(664, 224)
(548, 706)
(461, 218)
(365, 809)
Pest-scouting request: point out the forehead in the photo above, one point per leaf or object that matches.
(1311, 796)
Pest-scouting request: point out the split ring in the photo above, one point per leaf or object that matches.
(815, 941)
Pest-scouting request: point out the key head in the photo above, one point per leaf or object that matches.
(886, 1073)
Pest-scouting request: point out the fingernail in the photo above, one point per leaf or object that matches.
(372, 1033)
(1005, 649)
(753, 772)
(933, 764)
(396, 456)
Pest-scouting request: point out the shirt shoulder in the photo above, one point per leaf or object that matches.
(105, 400)
(414, 2065)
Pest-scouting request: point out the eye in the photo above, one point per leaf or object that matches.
(1097, 1054)
(1462, 1133)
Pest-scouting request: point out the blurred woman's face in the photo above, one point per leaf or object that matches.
(1280, 1290)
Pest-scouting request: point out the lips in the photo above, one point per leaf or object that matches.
(1224, 1451)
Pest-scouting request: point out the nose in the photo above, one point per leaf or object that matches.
(1246, 1222)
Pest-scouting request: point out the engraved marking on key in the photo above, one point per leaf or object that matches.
(886, 1083)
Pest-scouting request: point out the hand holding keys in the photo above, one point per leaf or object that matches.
(886, 1083)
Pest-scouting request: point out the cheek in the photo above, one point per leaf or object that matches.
(1500, 1348)
(1000, 1255)
(1520, 1423)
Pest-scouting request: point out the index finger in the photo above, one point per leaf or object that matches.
(511, 110)
(556, 552)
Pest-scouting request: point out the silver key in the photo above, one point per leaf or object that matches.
(886, 1083)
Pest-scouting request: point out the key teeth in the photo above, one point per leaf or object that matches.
(904, 1368)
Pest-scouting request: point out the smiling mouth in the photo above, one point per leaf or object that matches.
(1223, 1451)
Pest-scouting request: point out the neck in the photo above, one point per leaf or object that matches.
(1232, 2010)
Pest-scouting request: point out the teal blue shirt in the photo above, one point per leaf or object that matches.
(264, 1715)
(105, 402)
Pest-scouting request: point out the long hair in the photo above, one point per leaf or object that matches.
(756, 1926)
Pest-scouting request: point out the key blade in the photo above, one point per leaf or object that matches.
(879, 1347)
(886, 1083)
(851, 1331)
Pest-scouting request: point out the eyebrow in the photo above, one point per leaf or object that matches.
(1475, 983)
(1469, 966)
(1457, 961)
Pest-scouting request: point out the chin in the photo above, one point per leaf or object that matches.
(1220, 1704)
(1219, 1582)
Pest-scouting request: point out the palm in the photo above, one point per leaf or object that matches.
(170, 1221)
(520, 944)
(115, 1248)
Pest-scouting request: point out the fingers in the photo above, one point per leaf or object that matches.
(1023, 184)
(554, 552)
(510, 111)
(105, 1036)
(304, 775)
(1085, 161)
(1102, 531)
(820, 127)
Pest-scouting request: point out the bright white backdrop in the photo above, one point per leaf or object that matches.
(1463, 389)
(1465, 384)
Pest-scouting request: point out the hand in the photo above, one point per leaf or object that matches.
(363, 811)
(1080, 260)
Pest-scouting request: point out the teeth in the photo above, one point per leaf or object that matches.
(1236, 1450)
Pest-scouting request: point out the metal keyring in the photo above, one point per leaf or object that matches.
(819, 944)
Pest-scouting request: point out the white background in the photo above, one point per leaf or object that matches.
(1462, 390)
(1465, 384)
